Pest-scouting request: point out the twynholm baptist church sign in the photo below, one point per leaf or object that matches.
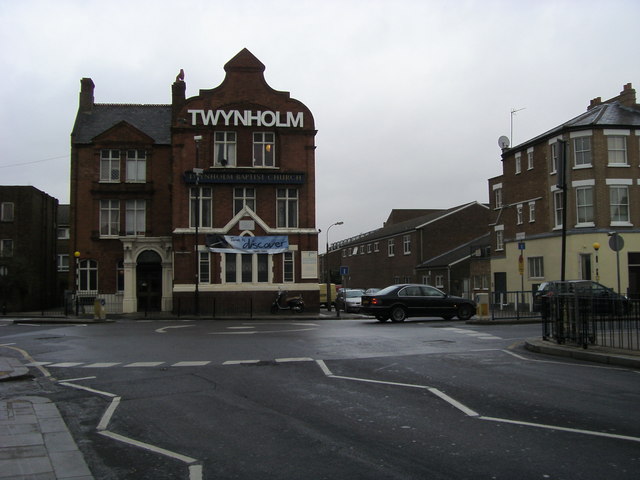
(244, 176)
(247, 118)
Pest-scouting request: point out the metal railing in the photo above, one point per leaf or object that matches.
(585, 320)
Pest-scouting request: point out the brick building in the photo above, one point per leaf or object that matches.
(602, 192)
(415, 246)
(205, 205)
(28, 279)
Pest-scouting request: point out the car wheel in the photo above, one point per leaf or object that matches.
(465, 312)
(398, 314)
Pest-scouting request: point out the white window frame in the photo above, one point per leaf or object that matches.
(535, 267)
(224, 149)
(582, 153)
(88, 275)
(109, 218)
(110, 166)
(391, 247)
(288, 260)
(617, 148)
(532, 212)
(62, 262)
(519, 214)
(204, 267)
(287, 207)
(497, 195)
(530, 158)
(244, 197)
(136, 166)
(616, 187)
(204, 209)
(264, 148)
(499, 229)
(7, 212)
(558, 214)
(585, 210)
(518, 163)
(406, 244)
(136, 218)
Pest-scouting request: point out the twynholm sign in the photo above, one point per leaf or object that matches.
(247, 244)
(225, 176)
(247, 118)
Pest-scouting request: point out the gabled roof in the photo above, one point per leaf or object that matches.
(605, 115)
(406, 226)
(153, 120)
(457, 254)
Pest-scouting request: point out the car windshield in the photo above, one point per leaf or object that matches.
(354, 293)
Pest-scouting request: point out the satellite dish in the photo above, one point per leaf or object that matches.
(503, 142)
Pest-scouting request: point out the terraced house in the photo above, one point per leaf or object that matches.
(591, 193)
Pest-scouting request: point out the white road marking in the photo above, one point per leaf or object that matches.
(299, 359)
(563, 429)
(106, 417)
(240, 362)
(147, 446)
(191, 364)
(472, 413)
(163, 329)
(144, 364)
(101, 365)
(65, 364)
(263, 331)
(88, 389)
(195, 467)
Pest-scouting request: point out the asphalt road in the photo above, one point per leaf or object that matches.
(330, 399)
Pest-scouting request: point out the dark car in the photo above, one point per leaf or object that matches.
(595, 296)
(399, 302)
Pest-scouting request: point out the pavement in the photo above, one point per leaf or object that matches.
(35, 442)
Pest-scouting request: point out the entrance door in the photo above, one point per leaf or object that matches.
(149, 281)
(634, 275)
(499, 287)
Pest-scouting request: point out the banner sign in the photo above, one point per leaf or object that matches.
(247, 244)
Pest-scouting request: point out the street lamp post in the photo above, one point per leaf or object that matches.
(76, 254)
(198, 172)
(328, 270)
(596, 247)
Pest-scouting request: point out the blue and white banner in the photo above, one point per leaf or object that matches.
(247, 244)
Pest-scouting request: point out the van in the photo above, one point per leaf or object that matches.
(323, 294)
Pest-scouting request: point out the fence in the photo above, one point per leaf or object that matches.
(585, 320)
(517, 305)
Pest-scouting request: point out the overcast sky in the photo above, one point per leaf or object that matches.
(409, 97)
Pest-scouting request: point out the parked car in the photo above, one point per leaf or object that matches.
(371, 291)
(348, 299)
(399, 302)
(599, 298)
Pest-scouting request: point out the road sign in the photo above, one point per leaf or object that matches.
(616, 243)
(520, 245)
(344, 271)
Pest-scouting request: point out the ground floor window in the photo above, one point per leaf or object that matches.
(88, 275)
(536, 267)
(288, 270)
(246, 268)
